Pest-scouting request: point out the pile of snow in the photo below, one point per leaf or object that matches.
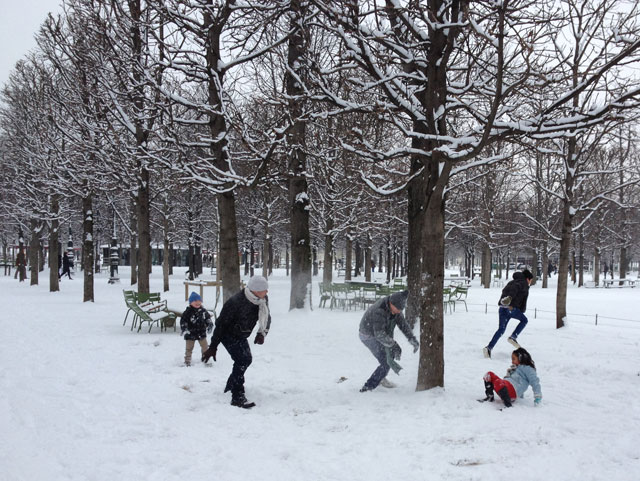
(84, 398)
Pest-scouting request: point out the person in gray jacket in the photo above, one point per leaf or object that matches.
(376, 332)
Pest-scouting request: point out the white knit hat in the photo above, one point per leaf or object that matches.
(257, 284)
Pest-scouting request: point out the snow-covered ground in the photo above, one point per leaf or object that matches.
(84, 398)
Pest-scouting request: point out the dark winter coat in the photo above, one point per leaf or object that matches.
(518, 290)
(66, 263)
(237, 319)
(195, 323)
(378, 322)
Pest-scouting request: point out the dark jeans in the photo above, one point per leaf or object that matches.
(504, 316)
(240, 352)
(380, 354)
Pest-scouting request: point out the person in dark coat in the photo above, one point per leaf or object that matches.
(238, 318)
(66, 265)
(195, 323)
(513, 304)
(376, 332)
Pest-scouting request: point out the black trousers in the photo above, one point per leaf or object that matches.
(240, 352)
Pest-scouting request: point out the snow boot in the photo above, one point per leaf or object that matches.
(240, 400)
(487, 352)
(366, 388)
(388, 384)
(513, 342)
(504, 395)
(488, 390)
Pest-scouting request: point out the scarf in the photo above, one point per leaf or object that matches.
(263, 310)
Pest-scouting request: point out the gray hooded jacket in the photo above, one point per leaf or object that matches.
(378, 322)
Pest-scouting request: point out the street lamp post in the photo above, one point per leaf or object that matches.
(114, 258)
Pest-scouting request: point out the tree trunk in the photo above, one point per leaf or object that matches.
(534, 267)
(358, 256)
(41, 257)
(596, 266)
(389, 266)
(367, 260)
(266, 246)
(34, 247)
(144, 231)
(348, 257)
(172, 258)
(87, 247)
(327, 274)
(545, 265)
(300, 241)
(485, 276)
(228, 263)
(165, 248)
(431, 363)
(54, 267)
(133, 250)
(581, 257)
(623, 263)
(563, 266)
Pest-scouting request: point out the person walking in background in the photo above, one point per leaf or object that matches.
(66, 265)
(376, 332)
(519, 377)
(238, 318)
(195, 323)
(513, 304)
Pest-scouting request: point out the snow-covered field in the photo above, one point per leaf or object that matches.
(84, 398)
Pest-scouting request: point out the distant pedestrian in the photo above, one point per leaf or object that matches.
(606, 269)
(67, 264)
(376, 332)
(519, 377)
(513, 304)
(550, 269)
(195, 324)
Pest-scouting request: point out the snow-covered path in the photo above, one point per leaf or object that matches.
(84, 398)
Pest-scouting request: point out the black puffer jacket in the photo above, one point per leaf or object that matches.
(195, 323)
(237, 319)
(518, 289)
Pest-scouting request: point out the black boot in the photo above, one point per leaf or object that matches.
(240, 400)
(504, 395)
(488, 390)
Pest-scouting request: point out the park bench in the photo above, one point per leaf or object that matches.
(619, 283)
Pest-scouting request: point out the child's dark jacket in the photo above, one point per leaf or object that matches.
(195, 323)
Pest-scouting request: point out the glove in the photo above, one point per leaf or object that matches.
(208, 354)
(209, 328)
(505, 301)
(537, 401)
(416, 345)
(259, 338)
(396, 351)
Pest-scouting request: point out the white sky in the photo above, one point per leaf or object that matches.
(19, 21)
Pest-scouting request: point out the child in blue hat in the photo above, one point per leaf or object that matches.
(195, 323)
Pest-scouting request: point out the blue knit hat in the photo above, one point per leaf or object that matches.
(194, 297)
